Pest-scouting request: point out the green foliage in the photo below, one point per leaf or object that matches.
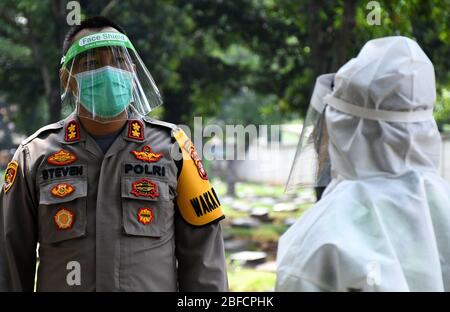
(255, 61)
(442, 113)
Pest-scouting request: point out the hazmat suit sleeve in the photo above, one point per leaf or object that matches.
(198, 234)
(18, 229)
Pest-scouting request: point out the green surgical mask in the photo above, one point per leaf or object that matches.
(105, 92)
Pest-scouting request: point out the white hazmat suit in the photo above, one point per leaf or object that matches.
(384, 221)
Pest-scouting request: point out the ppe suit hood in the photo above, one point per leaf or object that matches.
(390, 74)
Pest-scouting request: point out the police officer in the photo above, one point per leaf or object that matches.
(117, 201)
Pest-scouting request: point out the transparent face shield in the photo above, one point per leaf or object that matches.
(105, 79)
(311, 166)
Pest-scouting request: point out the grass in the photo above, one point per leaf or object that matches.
(243, 279)
(264, 233)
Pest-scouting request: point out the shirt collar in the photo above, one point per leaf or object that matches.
(74, 132)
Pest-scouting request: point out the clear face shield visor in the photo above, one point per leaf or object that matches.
(311, 166)
(105, 79)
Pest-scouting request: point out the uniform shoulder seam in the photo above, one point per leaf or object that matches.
(53, 126)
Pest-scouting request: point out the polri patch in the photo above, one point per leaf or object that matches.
(144, 188)
(72, 131)
(62, 190)
(136, 130)
(145, 215)
(10, 175)
(147, 154)
(64, 219)
(62, 158)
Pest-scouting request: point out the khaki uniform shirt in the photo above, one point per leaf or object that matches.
(128, 220)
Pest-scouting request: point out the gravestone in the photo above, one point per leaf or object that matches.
(248, 223)
(250, 258)
(261, 214)
(240, 206)
(285, 207)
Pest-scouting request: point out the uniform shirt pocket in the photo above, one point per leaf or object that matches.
(147, 207)
(62, 210)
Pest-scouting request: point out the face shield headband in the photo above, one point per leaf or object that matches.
(97, 40)
(103, 76)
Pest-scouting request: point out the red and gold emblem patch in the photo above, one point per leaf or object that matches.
(145, 188)
(136, 130)
(62, 190)
(145, 215)
(147, 155)
(72, 131)
(62, 158)
(64, 219)
(10, 175)
(189, 147)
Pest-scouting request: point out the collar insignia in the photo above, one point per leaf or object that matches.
(72, 131)
(136, 130)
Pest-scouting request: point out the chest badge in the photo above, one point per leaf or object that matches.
(62, 158)
(64, 219)
(145, 215)
(62, 190)
(10, 175)
(136, 130)
(144, 188)
(147, 154)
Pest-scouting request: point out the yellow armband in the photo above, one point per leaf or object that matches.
(197, 200)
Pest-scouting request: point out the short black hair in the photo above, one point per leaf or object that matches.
(91, 22)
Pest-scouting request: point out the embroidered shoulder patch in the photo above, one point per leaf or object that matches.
(62, 158)
(62, 190)
(136, 130)
(147, 155)
(72, 131)
(145, 215)
(197, 201)
(144, 188)
(64, 219)
(10, 175)
(189, 147)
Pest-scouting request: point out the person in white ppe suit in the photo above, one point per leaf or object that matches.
(383, 223)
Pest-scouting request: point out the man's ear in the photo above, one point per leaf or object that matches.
(67, 80)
